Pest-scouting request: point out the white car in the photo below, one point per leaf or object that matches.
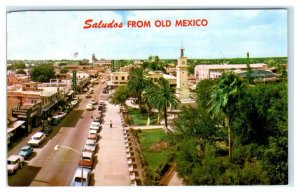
(89, 107)
(93, 102)
(96, 128)
(37, 139)
(95, 124)
(59, 115)
(74, 102)
(81, 177)
(90, 145)
(14, 162)
(93, 131)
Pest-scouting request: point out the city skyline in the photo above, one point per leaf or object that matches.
(44, 35)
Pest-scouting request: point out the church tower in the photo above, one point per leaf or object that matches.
(182, 88)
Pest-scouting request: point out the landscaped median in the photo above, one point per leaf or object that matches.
(136, 117)
(155, 149)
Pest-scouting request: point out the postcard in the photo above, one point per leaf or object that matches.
(147, 97)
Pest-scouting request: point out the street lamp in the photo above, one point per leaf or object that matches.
(57, 147)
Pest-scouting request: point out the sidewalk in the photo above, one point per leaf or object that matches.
(111, 168)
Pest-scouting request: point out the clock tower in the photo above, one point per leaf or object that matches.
(182, 88)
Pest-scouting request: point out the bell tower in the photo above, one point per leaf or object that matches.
(182, 87)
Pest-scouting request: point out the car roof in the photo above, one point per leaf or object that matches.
(90, 141)
(13, 157)
(38, 134)
(87, 154)
(93, 132)
(79, 170)
(26, 147)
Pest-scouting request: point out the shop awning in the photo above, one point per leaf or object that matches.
(13, 126)
(48, 107)
(70, 93)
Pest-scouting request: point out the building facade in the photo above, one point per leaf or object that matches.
(212, 71)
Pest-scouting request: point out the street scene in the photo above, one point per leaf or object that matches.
(113, 104)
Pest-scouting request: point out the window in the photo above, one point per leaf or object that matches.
(116, 78)
(123, 78)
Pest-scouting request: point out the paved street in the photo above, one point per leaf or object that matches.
(47, 167)
(112, 168)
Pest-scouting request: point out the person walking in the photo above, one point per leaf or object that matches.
(110, 123)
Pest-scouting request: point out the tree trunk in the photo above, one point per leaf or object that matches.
(166, 117)
(229, 137)
(158, 122)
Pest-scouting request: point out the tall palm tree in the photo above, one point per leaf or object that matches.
(162, 97)
(224, 99)
(137, 83)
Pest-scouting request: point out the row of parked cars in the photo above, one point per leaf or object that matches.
(83, 172)
(14, 162)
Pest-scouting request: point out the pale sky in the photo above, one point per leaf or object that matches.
(229, 33)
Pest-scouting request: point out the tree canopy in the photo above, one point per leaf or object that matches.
(42, 73)
(258, 121)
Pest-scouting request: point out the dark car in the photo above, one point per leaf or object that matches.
(67, 109)
(26, 151)
(54, 121)
(47, 129)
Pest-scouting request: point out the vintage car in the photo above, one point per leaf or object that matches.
(81, 177)
(37, 139)
(14, 162)
(90, 145)
(26, 151)
(87, 160)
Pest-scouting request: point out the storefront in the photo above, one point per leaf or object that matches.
(30, 114)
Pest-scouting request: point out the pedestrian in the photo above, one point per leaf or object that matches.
(91, 115)
(110, 123)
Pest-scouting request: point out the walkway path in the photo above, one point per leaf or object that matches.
(111, 168)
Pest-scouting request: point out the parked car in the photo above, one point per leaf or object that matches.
(54, 121)
(87, 160)
(68, 109)
(90, 145)
(81, 177)
(89, 107)
(37, 139)
(60, 115)
(26, 151)
(98, 119)
(88, 96)
(93, 132)
(57, 118)
(93, 102)
(84, 89)
(93, 136)
(14, 162)
(47, 129)
(105, 92)
(95, 124)
(74, 102)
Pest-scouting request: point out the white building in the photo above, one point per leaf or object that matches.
(211, 71)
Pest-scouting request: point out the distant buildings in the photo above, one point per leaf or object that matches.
(100, 63)
(211, 71)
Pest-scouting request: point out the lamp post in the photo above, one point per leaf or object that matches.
(57, 147)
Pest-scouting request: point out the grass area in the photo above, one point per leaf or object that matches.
(154, 154)
(141, 119)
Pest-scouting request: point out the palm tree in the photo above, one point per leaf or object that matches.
(137, 83)
(224, 99)
(162, 97)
